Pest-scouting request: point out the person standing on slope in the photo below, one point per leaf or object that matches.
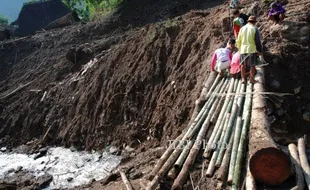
(240, 20)
(222, 57)
(249, 45)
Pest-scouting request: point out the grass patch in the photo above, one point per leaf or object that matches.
(171, 23)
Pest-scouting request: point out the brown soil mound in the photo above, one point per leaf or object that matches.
(142, 88)
(141, 83)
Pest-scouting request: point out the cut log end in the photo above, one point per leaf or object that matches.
(173, 173)
(270, 166)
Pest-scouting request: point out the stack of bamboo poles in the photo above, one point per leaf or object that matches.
(224, 117)
(300, 163)
(230, 133)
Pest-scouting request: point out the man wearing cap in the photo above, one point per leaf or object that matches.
(276, 13)
(249, 45)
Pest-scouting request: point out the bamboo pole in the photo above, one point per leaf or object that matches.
(244, 133)
(163, 167)
(219, 105)
(296, 165)
(126, 181)
(231, 123)
(164, 157)
(225, 164)
(202, 112)
(207, 109)
(303, 160)
(211, 165)
(234, 150)
(213, 102)
(208, 86)
(236, 110)
(182, 157)
(220, 116)
(178, 164)
(231, 99)
(200, 117)
(219, 122)
(180, 180)
(172, 148)
(218, 110)
(216, 132)
(213, 87)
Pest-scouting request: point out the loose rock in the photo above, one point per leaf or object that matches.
(306, 116)
(19, 168)
(129, 149)
(69, 179)
(113, 150)
(3, 149)
(44, 180)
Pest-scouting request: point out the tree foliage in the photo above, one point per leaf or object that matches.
(3, 20)
(34, 1)
(90, 9)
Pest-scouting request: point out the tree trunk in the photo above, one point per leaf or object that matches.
(249, 180)
(263, 150)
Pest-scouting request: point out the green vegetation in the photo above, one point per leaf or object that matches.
(34, 1)
(92, 9)
(87, 9)
(152, 34)
(3, 20)
(171, 24)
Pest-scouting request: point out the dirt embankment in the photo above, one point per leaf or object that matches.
(141, 87)
(142, 84)
(287, 51)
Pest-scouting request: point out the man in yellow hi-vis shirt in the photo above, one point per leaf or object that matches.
(250, 47)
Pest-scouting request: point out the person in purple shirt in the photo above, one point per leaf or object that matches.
(276, 13)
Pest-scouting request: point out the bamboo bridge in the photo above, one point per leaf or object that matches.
(230, 126)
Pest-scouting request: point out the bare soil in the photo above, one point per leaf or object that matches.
(148, 70)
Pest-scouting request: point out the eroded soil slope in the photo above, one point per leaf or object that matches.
(141, 85)
(142, 81)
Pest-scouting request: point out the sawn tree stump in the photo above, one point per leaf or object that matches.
(268, 164)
